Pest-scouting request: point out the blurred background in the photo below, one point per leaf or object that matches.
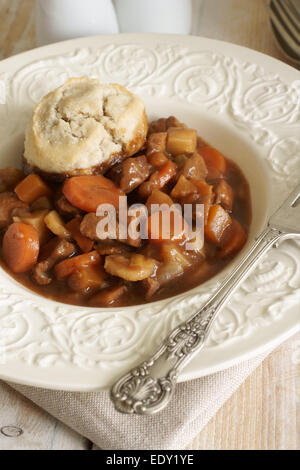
(24, 24)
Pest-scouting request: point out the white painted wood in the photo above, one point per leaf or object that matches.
(40, 431)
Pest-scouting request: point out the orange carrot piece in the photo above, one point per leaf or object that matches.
(218, 221)
(20, 248)
(158, 179)
(68, 266)
(159, 230)
(32, 188)
(158, 197)
(88, 192)
(215, 161)
(84, 243)
(166, 173)
(234, 239)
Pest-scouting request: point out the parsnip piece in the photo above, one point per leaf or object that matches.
(37, 220)
(56, 225)
(181, 140)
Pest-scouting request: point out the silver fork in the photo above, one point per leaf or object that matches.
(149, 387)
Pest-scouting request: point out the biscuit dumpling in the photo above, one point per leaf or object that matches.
(84, 127)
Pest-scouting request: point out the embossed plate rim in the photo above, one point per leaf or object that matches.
(45, 375)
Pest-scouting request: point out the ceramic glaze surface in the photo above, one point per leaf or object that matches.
(242, 102)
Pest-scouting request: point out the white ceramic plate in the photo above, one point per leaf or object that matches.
(243, 102)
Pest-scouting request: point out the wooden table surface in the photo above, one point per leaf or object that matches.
(264, 413)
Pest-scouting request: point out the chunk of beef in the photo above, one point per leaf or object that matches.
(157, 142)
(9, 177)
(224, 195)
(151, 285)
(172, 121)
(195, 167)
(62, 250)
(87, 279)
(115, 173)
(160, 125)
(9, 202)
(111, 247)
(134, 172)
(65, 208)
(88, 228)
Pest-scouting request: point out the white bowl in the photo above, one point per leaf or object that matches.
(241, 108)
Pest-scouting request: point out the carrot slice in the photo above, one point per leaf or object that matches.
(32, 188)
(84, 243)
(166, 173)
(68, 266)
(234, 239)
(88, 192)
(218, 221)
(20, 248)
(215, 161)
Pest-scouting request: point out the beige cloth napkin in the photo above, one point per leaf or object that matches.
(93, 415)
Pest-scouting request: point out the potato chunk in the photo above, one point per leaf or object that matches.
(181, 140)
(56, 225)
(131, 268)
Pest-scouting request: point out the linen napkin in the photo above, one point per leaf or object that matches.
(92, 414)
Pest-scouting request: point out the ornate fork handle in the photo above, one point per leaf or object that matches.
(149, 387)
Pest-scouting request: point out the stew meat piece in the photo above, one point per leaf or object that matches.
(134, 172)
(88, 228)
(41, 271)
(68, 261)
(9, 202)
(65, 208)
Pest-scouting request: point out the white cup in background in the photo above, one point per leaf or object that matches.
(154, 16)
(57, 20)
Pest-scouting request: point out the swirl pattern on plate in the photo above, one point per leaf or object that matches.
(44, 334)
